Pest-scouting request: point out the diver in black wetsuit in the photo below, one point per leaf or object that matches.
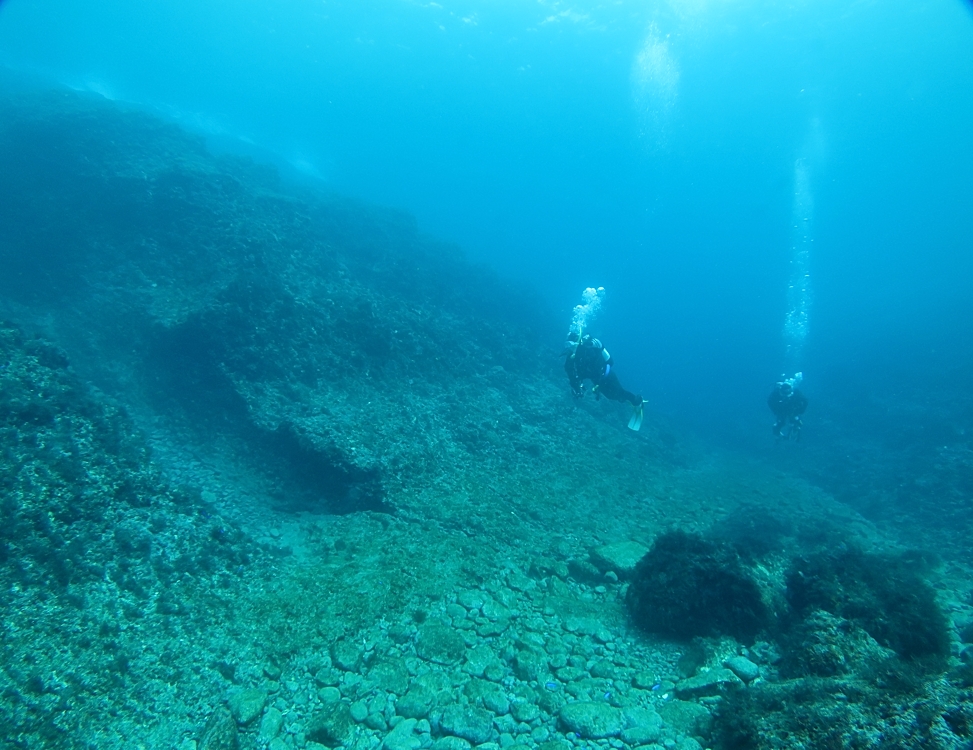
(788, 404)
(588, 359)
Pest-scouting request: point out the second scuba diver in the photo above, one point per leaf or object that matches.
(788, 404)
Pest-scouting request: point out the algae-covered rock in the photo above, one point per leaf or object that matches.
(270, 725)
(885, 595)
(470, 723)
(709, 682)
(644, 725)
(425, 692)
(451, 743)
(489, 695)
(347, 654)
(686, 717)
(416, 703)
(524, 711)
(247, 705)
(482, 659)
(390, 676)
(688, 586)
(220, 732)
(332, 725)
(440, 644)
(827, 646)
(531, 664)
(591, 720)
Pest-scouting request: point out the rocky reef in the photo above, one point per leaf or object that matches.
(279, 471)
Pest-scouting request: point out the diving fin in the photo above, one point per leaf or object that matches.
(636, 421)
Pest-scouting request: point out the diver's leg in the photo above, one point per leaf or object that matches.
(612, 389)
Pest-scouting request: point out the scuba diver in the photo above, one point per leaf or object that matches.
(588, 359)
(788, 404)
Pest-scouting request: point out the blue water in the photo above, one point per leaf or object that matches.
(760, 186)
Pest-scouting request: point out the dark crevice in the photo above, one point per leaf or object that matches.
(329, 482)
(184, 374)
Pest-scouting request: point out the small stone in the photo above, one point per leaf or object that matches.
(640, 735)
(603, 669)
(347, 654)
(506, 724)
(524, 711)
(451, 743)
(359, 711)
(581, 625)
(570, 674)
(520, 582)
(471, 599)
(376, 722)
(329, 695)
(495, 611)
(492, 628)
(270, 725)
(530, 664)
(711, 682)
(402, 737)
(247, 705)
(619, 557)
(416, 703)
(328, 676)
(591, 720)
(644, 680)
(479, 658)
(743, 668)
(456, 611)
(540, 734)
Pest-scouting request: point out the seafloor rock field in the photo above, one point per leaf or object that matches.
(279, 471)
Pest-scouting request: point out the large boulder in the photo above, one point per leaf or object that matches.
(688, 586)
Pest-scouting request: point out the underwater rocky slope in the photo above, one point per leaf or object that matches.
(281, 472)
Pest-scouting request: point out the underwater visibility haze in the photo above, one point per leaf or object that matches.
(294, 454)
